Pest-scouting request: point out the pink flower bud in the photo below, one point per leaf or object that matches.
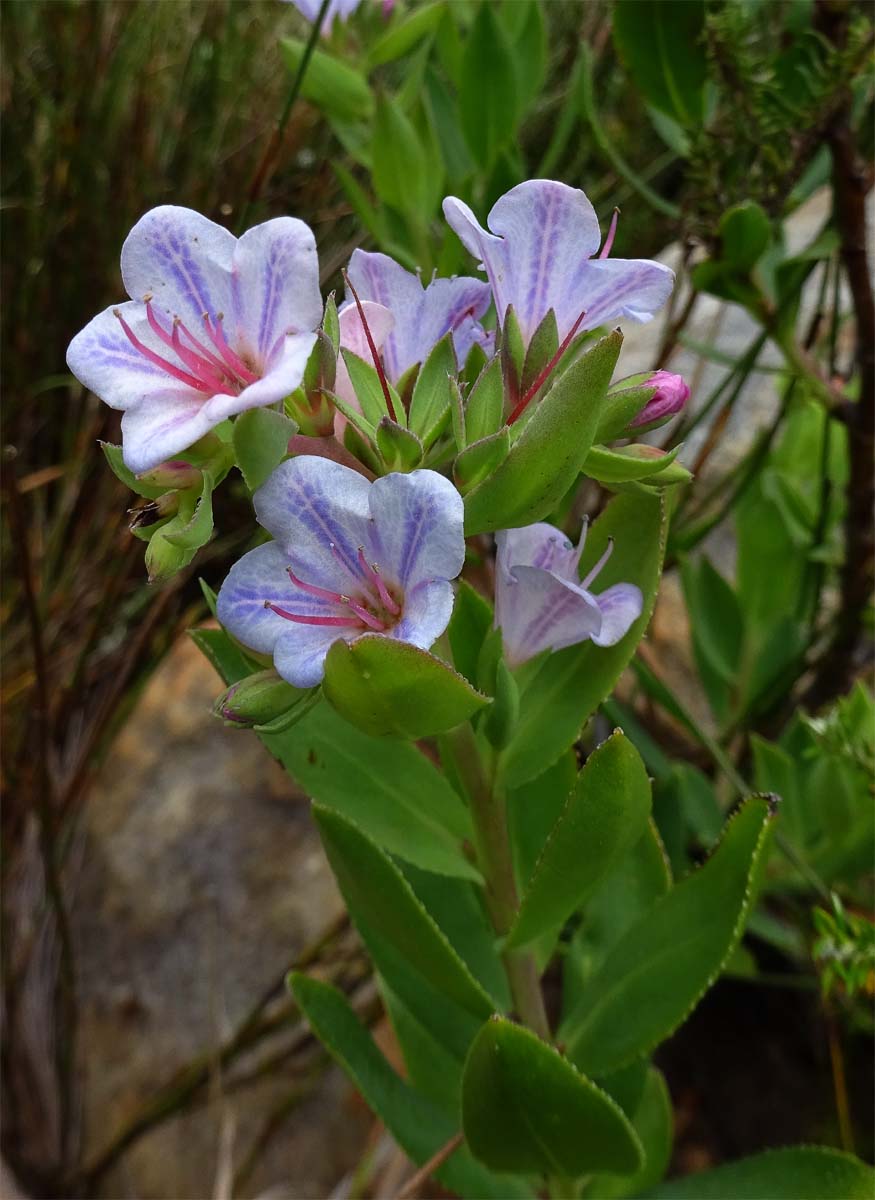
(174, 475)
(671, 395)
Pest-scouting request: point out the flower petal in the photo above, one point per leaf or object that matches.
(378, 277)
(183, 260)
(104, 360)
(427, 611)
(275, 286)
(258, 576)
(541, 611)
(447, 304)
(539, 545)
(162, 425)
(620, 606)
(352, 337)
(318, 512)
(300, 652)
(281, 378)
(610, 289)
(419, 521)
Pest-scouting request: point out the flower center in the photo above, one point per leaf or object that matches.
(371, 605)
(211, 371)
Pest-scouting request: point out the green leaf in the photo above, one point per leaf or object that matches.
(261, 442)
(533, 810)
(745, 232)
(656, 974)
(371, 218)
(399, 172)
(604, 816)
(653, 1121)
(526, 1109)
(405, 34)
(622, 405)
(389, 687)
(485, 407)
(629, 462)
(543, 464)
(387, 785)
(481, 459)
(542, 347)
(488, 96)
(430, 403)
(530, 53)
(569, 686)
(794, 1173)
(469, 625)
(368, 389)
(375, 890)
(660, 43)
(443, 117)
(333, 86)
(419, 1127)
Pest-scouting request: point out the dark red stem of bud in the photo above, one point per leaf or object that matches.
(544, 374)
(384, 383)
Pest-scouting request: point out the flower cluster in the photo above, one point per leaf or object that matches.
(216, 325)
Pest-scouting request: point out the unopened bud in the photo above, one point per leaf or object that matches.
(671, 395)
(174, 476)
(262, 699)
(150, 512)
(309, 405)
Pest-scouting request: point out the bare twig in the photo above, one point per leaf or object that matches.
(414, 1183)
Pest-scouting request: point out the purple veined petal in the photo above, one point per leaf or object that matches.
(541, 611)
(550, 231)
(352, 337)
(419, 523)
(379, 278)
(183, 260)
(161, 426)
(490, 251)
(104, 360)
(614, 288)
(258, 576)
(427, 611)
(300, 653)
(318, 512)
(281, 378)
(621, 606)
(340, 9)
(447, 304)
(275, 286)
(471, 333)
(539, 545)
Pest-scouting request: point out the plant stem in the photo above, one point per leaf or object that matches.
(489, 815)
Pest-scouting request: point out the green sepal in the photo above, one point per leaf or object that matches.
(480, 459)
(430, 402)
(545, 461)
(469, 626)
(511, 353)
(622, 405)
(113, 455)
(331, 323)
(457, 413)
(261, 442)
(542, 347)
(484, 411)
(400, 449)
(197, 530)
(384, 686)
(369, 391)
(500, 719)
(260, 700)
(629, 462)
(526, 1109)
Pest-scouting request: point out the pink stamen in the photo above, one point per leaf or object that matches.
(183, 376)
(372, 574)
(601, 562)
(609, 240)
(337, 622)
(201, 349)
(313, 590)
(217, 337)
(369, 619)
(203, 370)
(545, 373)
(578, 553)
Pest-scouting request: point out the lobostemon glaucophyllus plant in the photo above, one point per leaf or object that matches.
(422, 645)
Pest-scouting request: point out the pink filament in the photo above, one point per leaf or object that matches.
(359, 611)
(339, 622)
(601, 562)
(612, 230)
(372, 574)
(206, 372)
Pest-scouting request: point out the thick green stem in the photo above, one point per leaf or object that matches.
(489, 814)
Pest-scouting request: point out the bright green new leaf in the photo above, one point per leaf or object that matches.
(545, 461)
(399, 170)
(525, 1109)
(604, 816)
(377, 892)
(400, 449)
(261, 442)
(389, 687)
(793, 1173)
(656, 974)
(419, 1126)
(569, 686)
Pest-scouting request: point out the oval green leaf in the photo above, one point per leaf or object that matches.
(793, 1173)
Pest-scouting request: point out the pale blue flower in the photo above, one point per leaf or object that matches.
(215, 325)
(349, 558)
(542, 604)
(538, 253)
